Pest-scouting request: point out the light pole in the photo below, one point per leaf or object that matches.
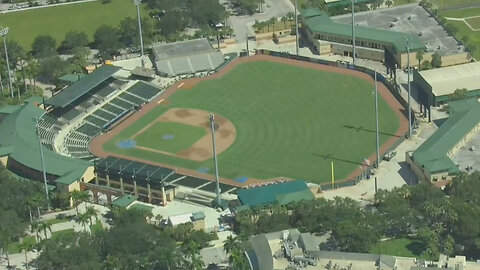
(3, 33)
(137, 3)
(212, 126)
(376, 120)
(353, 32)
(296, 28)
(408, 81)
(43, 160)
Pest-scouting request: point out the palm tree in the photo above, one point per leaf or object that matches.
(193, 253)
(272, 21)
(419, 57)
(284, 19)
(91, 212)
(44, 226)
(83, 219)
(79, 197)
(35, 227)
(290, 16)
(230, 244)
(5, 242)
(26, 246)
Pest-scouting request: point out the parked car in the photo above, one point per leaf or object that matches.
(389, 155)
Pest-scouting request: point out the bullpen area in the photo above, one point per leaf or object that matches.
(274, 118)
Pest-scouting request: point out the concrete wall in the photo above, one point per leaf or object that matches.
(287, 39)
(447, 60)
(365, 53)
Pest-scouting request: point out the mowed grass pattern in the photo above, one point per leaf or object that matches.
(59, 20)
(182, 137)
(290, 122)
(463, 29)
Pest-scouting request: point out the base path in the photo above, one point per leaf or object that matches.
(96, 145)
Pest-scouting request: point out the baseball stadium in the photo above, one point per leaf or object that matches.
(276, 119)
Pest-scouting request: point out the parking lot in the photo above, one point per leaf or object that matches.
(466, 157)
(412, 19)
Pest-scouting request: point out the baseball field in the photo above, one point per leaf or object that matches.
(274, 118)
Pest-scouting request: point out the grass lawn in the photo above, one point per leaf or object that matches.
(441, 4)
(141, 207)
(461, 13)
(14, 248)
(57, 21)
(279, 26)
(97, 227)
(464, 30)
(290, 122)
(475, 23)
(57, 220)
(183, 136)
(402, 2)
(63, 233)
(402, 247)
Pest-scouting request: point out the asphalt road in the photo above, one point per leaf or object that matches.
(243, 24)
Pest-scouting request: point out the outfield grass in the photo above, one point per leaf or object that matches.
(57, 21)
(290, 122)
(402, 247)
(183, 137)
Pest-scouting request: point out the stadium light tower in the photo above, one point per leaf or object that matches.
(137, 3)
(296, 28)
(212, 126)
(43, 159)
(353, 32)
(408, 81)
(3, 33)
(376, 121)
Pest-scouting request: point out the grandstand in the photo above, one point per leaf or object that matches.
(20, 145)
(186, 57)
(147, 181)
(76, 142)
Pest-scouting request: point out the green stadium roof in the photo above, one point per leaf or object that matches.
(432, 154)
(343, 3)
(19, 141)
(82, 86)
(281, 193)
(318, 21)
(124, 201)
(71, 77)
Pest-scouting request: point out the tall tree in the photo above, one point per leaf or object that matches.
(51, 68)
(74, 39)
(44, 46)
(27, 246)
(419, 57)
(436, 60)
(107, 40)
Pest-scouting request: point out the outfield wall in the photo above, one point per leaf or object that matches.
(390, 85)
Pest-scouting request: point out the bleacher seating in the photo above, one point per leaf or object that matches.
(105, 91)
(113, 109)
(132, 99)
(71, 114)
(104, 115)
(143, 90)
(96, 121)
(88, 129)
(122, 104)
